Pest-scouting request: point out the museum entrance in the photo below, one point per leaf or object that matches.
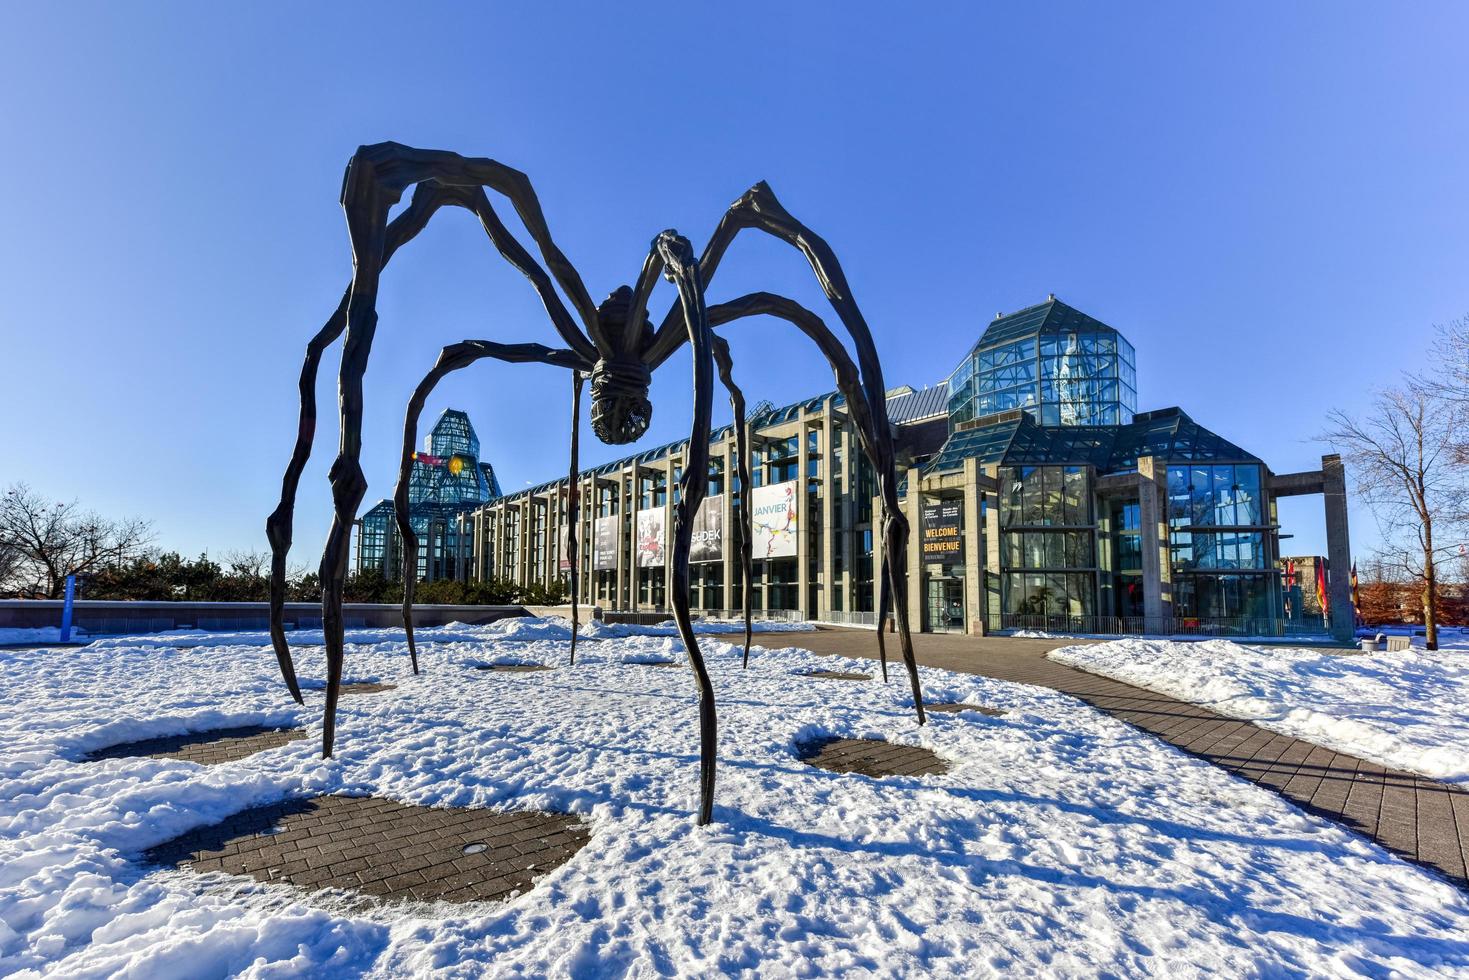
(945, 608)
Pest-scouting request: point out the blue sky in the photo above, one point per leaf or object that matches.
(1268, 200)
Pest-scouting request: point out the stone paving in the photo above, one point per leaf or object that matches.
(208, 748)
(365, 687)
(383, 848)
(872, 757)
(955, 707)
(837, 675)
(1413, 816)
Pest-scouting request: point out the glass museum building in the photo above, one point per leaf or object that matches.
(1037, 497)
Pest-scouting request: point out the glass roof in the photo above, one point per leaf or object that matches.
(1167, 434)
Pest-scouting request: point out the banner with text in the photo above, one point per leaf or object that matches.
(943, 532)
(604, 544)
(777, 520)
(708, 536)
(650, 538)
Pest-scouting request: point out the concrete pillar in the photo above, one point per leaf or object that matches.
(917, 588)
(974, 565)
(848, 504)
(1157, 566)
(829, 544)
(1338, 548)
(803, 500)
(497, 560)
(992, 584)
(624, 597)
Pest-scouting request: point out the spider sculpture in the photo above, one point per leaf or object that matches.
(615, 346)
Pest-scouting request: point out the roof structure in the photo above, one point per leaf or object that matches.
(906, 406)
(1017, 439)
(1050, 317)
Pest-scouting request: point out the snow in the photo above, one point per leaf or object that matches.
(1061, 842)
(1407, 710)
(14, 635)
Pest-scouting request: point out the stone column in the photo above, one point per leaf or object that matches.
(974, 564)
(848, 504)
(992, 540)
(803, 500)
(828, 514)
(1157, 567)
(1338, 548)
(913, 511)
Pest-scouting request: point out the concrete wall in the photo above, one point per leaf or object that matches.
(152, 617)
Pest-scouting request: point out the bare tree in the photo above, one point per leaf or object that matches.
(1403, 452)
(51, 540)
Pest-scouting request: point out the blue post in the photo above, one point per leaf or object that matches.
(71, 591)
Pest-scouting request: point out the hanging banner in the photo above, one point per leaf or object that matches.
(708, 536)
(650, 538)
(777, 520)
(942, 532)
(604, 544)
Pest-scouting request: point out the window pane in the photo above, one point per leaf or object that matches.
(1201, 497)
(1247, 494)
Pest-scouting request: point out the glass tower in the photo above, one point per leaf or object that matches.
(1057, 364)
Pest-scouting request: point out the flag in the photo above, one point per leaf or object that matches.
(1321, 589)
(1356, 606)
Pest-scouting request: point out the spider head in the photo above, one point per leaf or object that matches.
(620, 407)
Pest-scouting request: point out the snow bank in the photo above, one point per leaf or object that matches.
(523, 628)
(1407, 710)
(1062, 842)
(43, 634)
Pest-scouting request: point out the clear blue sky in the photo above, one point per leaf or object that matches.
(1269, 200)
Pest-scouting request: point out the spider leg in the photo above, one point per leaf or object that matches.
(744, 530)
(427, 198)
(573, 533)
(759, 209)
(873, 433)
(376, 177)
(675, 253)
(452, 358)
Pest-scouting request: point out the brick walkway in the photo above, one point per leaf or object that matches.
(871, 757)
(383, 848)
(1420, 819)
(207, 748)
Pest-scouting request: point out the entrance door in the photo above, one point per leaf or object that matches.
(945, 605)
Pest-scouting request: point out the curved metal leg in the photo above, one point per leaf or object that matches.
(573, 515)
(451, 359)
(676, 253)
(744, 530)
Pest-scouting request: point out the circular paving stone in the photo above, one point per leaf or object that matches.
(207, 748)
(872, 757)
(382, 848)
(837, 675)
(366, 687)
(511, 668)
(954, 707)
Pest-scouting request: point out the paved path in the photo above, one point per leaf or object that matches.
(1420, 819)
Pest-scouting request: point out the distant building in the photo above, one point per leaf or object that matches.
(1038, 497)
(447, 483)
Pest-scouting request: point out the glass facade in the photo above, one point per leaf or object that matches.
(1067, 379)
(1217, 545)
(1047, 542)
(446, 483)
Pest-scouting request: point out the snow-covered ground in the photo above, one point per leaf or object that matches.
(1407, 710)
(41, 634)
(1061, 842)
